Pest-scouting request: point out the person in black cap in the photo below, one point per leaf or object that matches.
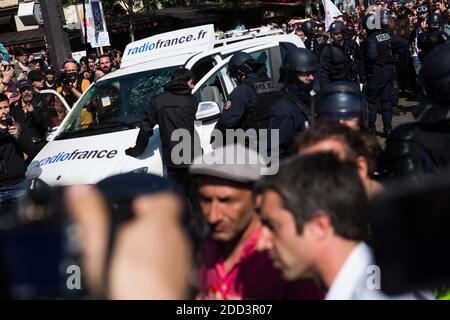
(341, 101)
(423, 146)
(32, 115)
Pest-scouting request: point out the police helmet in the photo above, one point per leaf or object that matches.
(436, 74)
(385, 18)
(339, 100)
(241, 64)
(308, 27)
(300, 60)
(337, 27)
(434, 21)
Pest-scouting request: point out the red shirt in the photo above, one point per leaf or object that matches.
(251, 277)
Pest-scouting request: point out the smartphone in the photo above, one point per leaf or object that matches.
(409, 226)
(9, 121)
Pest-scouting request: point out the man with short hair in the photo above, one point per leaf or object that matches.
(21, 68)
(230, 267)
(105, 63)
(15, 142)
(315, 224)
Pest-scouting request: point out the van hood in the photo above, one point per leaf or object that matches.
(87, 160)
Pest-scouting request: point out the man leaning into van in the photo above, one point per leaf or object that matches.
(173, 109)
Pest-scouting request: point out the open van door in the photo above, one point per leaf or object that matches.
(57, 110)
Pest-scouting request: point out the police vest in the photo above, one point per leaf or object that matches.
(258, 116)
(384, 48)
(430, 40)
(343, 64)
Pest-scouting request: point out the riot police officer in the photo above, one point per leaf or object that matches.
(340, 60)
(414, 149)
(292, 112)
(311, 43)
(378, 50)
(249, 103)
(433, 36)
(341, 101)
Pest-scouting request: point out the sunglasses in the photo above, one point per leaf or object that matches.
(422, 9)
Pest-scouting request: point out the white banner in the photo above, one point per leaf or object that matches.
(184, 41)
(78, 55)
(331, 11)
(96, 37)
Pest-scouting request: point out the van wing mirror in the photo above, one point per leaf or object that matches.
(207, 110)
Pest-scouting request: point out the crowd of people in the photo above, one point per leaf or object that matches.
(33, 114)
(220, 230)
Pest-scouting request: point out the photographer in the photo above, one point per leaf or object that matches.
(72, 86)
(21, 68)
(32, 115)
(15, 148)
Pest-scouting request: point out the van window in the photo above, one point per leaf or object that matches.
(118, 101)
(263, 56)
(214, 88)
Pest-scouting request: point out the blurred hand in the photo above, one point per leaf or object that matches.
(28, 108)
(151, 257)
(14, 131)
(8, 75)
(423, 24)
(22, 76)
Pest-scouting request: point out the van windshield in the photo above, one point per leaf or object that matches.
(117, 102)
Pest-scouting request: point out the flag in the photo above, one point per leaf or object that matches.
(331, 11)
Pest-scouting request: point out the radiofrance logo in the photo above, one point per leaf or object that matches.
(78, 155)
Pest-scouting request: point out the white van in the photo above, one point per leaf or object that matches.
(90, 143)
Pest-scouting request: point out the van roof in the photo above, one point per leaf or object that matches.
(188, 41)
(183, 59)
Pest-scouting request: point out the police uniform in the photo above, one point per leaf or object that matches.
(259, 103)
(312, 44)
(429, 40)
(378, 50)
(340, 63)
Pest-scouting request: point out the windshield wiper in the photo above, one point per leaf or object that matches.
(97, 127)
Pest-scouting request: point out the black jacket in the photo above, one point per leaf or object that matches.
(12, 163)
(422, 147)
(37, 121)
(173, 109)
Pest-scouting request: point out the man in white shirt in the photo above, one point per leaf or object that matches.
(314, 213)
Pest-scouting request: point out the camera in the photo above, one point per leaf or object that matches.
(68, 78)
(9, 121)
